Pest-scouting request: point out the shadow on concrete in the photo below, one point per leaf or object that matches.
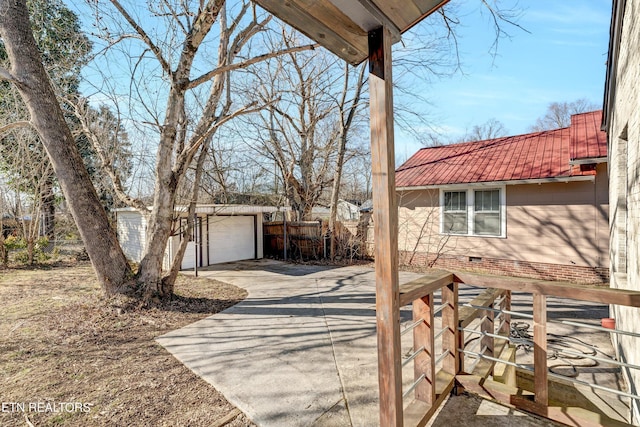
(271, 266)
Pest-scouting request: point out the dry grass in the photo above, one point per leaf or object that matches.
(60, 341)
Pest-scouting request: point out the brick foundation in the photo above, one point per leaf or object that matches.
(567, 273)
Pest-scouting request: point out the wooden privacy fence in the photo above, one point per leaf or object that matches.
(310, 240)
(294, 240)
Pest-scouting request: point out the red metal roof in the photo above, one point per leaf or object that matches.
(587, 140)
(539, 155)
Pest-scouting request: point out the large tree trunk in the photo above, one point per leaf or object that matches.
(168, 281)
(31, 80)
(158, 233)
(161, 217)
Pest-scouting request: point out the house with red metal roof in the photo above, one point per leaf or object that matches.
(533, 205)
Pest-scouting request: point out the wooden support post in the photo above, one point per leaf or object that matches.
(460, 343)
(425, 362)
(450, 363)
(487, 344)
(385, 219)
(505, 329)
(540, 349)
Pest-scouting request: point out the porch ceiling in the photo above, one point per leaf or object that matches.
(342, 26)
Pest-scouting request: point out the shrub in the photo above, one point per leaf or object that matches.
(13, 242)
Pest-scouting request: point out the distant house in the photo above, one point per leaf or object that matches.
(224, 233)
(622, 123)
(346, 211)
(533, 205)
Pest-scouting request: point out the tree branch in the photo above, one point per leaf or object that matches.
(187, 154)
(11, 126)
(145, 37)
(80, 111)
(211, 74)
(6, 75)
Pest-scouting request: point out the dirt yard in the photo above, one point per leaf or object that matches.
(68, 357)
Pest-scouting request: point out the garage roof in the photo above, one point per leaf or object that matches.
(220, 209)
(342, 26)
(216, 209)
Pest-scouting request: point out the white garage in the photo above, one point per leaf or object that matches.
(224, 233)
(232, 238)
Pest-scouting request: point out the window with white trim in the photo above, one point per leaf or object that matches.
(455, 212)
(473, 212)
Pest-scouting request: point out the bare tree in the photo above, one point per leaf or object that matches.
(348, 110)
(298, 129)
(4, 228)
(179, 91)
(180, 137)
(30, 78)
(559, 114)
(491, 129)
(29, 165)
(419, 228)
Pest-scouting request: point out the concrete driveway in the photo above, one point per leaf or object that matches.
(299, 351)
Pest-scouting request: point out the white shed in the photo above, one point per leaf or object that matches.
(224, 233)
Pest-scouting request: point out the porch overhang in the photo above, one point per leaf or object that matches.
(342, 26)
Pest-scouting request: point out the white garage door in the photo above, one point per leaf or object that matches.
(231, 238)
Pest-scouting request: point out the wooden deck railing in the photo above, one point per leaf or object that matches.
(434, 380)
(430, 386)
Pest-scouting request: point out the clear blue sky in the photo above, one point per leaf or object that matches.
(563, 58)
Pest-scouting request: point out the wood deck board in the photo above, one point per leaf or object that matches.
(430, 282)
(466, 315)
(593, 293)
(524, 400)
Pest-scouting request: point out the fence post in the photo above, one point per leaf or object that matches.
(284, 243)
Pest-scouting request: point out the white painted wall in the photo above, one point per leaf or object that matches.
(131, 229)
(224, 239)
(624, 189)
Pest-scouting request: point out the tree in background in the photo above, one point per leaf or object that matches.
(349, 106)
(28, 74)
(164, 72)
(30, 182)
(298, 128)
(491, 129)
(65, 50)
(559, 114)
(104, 145)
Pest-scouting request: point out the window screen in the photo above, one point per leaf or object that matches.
(455, 212)
(486, 221)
